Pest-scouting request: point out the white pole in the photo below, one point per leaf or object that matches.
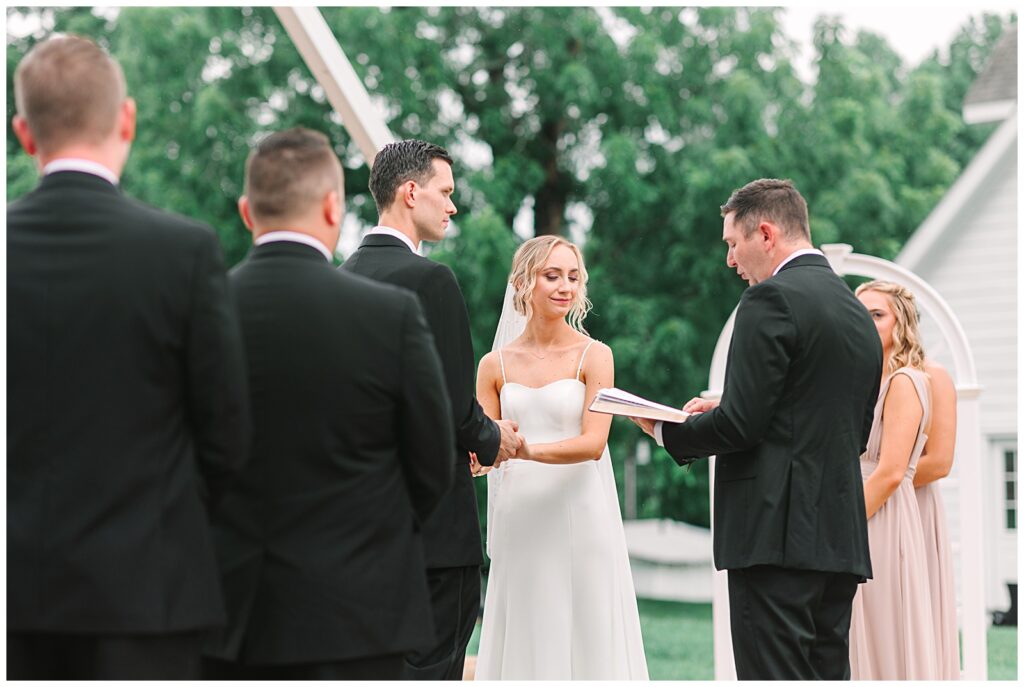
(974, 623)
(332, 70)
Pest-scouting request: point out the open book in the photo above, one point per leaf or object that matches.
(618, 402)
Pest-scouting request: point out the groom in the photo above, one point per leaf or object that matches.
(412, 184)
(800, 385)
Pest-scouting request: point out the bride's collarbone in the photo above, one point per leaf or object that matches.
(534, 367)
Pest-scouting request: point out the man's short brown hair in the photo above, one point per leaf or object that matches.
(775, 200)
(288, 171)
(69, 91)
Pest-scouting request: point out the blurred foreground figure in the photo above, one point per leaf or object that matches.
(126, 381)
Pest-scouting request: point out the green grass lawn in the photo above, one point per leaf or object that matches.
(678, 643)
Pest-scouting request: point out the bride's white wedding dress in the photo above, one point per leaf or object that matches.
(560, 602)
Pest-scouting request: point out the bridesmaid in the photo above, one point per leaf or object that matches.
(892, 635)
(934, 464)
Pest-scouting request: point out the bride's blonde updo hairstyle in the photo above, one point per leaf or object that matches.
(528, 261)
(906, 340)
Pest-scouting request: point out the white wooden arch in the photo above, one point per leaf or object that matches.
(968, 456)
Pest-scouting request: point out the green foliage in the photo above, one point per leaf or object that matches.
(1002, 653)
(650, 129)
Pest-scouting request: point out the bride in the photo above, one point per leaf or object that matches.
(560, 603)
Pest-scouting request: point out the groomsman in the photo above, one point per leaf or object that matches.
(318, 539)
(800, 386)
(412, 184)
(125, 377)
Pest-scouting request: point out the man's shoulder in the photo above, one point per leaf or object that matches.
(165, 220)
(129, 218)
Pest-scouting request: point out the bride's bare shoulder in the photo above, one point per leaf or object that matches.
(597, 348)
(489, 363)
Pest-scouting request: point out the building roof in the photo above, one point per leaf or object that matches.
(991, 98)
(993, 95)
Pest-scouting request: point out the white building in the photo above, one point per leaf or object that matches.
(967, 250)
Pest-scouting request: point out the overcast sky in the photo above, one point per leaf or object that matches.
(913, 30)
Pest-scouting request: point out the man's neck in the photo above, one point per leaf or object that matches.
(323, 236)
(99, 155)
(788, 250)
(398, 224)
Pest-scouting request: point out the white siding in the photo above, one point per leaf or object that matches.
(975, 269)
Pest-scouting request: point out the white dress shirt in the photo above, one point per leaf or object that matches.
(77, 164)
(389, 231)
(295, 237)
(792, 256)
(796, 254)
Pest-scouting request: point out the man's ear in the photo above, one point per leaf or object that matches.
(24, 135)
(409, 190)
(768, 233)
(334, 208)
(126, 120)
(245, 211)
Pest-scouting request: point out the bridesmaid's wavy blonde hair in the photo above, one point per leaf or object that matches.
(528, 261)
(906, 339)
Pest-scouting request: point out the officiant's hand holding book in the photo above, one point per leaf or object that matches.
(618, 402)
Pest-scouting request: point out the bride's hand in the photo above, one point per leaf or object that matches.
(525, 453)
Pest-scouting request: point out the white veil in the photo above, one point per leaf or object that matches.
(510, 325)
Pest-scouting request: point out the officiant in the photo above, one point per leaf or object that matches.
(801, 380)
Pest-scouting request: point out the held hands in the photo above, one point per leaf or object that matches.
(511, 446)
(511, 441)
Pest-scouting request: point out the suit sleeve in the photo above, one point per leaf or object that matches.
(445, 309)
(763, 341)
(218, 395)
(425, 421)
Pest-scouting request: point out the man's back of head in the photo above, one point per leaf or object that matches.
(68, 91)
(294, 182)
(289, 171)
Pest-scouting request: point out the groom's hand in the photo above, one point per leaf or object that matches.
(511, 442)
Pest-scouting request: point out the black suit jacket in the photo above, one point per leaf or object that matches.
(125, 374)
(800, 386)
(451, 535)
(318, 538)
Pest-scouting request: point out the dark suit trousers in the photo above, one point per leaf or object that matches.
(372, 668)
(791, 624)
(455, 599)
(57, 656)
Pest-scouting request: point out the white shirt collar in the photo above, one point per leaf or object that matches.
(75, 164)
(380, 229)
(796, 254)
(296, 237)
